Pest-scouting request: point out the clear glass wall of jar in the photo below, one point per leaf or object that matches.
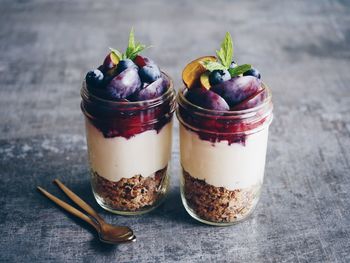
(129, 148)
(223, 159)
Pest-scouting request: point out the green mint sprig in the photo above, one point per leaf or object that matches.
(238, 70)
(133, 49)
(213, 65)
(224, 55)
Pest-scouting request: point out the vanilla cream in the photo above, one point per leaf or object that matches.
(232, 166)
(118, 157)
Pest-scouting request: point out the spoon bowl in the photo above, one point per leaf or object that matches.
(108, 233)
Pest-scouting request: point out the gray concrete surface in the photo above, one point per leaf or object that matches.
(302, 49)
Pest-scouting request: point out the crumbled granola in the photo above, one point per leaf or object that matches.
(217, 204)
(131, 194)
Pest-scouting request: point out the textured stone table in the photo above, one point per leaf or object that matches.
(303, 51)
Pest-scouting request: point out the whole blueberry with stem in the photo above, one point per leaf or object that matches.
(218, 76)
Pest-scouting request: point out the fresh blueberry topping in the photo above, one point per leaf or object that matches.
(218, 76)
(101, 68)
(149, 73)
(94, 78)
(124, 64)
(252, 72)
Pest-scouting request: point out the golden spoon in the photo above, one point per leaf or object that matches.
(107, 233)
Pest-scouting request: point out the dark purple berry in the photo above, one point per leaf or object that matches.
(252, 72)
(94, 78)
(218, 76)
(124, 64)
(101, 68)
(149, 73)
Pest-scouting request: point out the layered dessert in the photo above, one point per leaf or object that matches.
(128, 103)
(224, 111)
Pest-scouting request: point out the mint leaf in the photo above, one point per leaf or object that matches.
(226, 51)
(212, 65)
(117, 53)
(138, 48)
(234, 72)
(131, 44)
(132, 38)
(133, 48)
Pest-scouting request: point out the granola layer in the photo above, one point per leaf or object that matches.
(218, 204)
(131, 194)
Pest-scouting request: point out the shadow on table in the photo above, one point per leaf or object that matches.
(172, 210)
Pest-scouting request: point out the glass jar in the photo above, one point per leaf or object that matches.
(223, 159)
(129, 148)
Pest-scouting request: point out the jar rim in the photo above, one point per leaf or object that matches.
(242, 113)
(84, 92)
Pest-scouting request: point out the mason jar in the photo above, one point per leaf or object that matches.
(222, 159)
(129, 148)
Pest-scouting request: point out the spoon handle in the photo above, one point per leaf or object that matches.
(76, 199)
(69, 208)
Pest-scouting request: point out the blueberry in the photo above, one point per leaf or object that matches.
(94, 78)
(218, 76)
(124, 64)
(101, 68)
(233, 64)
(252, 72)
(149, 73)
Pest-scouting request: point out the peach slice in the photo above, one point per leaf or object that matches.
(193, 70)
(204, 80)
(110, 61)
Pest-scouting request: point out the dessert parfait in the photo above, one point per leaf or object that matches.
(224, 112)
(128, 103)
